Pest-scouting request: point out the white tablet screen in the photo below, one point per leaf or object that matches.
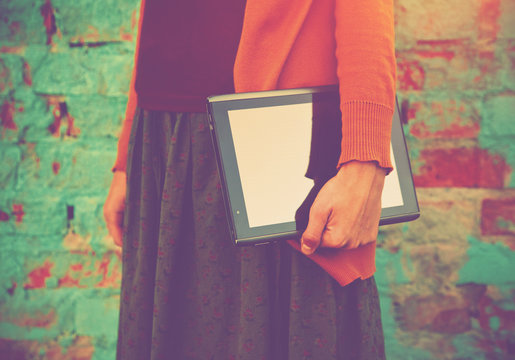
(272, 146)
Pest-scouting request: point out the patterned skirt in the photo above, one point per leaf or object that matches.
(188, 293)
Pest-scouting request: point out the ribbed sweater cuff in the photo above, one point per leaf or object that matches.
(366, 133)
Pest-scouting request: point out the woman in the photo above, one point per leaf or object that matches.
(187, 293)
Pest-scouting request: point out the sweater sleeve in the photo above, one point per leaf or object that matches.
(123, 141)
(365, 53)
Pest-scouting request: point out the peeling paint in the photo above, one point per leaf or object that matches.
(38, 276)
(7, 115)
(4, 216)
(61, 114)
(18, 212)
(411, 75)
(27, 73)
(5, 77)
(48, 13)
(56, 166)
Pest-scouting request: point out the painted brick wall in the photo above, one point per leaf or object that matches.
(447, 280)
(64, 72)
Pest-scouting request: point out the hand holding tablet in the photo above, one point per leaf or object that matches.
(276, 149)
(346, 211)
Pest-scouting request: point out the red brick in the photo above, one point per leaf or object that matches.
(488, 309)
(438, 313)
(61, 115)
(108, 280)
(431, 54)
(38, 276)
(489, 13)
(13, 287)
(56, 166)
(410, 75)
(5, 74)
(452, 321)
(90, 272)
(7, 115)
(460, 167)
(27, 74)
(73, 276)
(434, 20)
(498, 217)
(18, 212)
(48, 13)
(4, 216)
(81, 348)
(34, 320)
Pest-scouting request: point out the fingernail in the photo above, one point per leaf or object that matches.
(306, 249)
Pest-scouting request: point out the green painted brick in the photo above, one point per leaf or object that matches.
(31, 117)
(97, 116)
(88, 218)
(391, 265)
(80, 167)
(504, 146)
(498, 129)
(21, 23)
(507, 14)
(494, 323)
(58, 307)
(10, 73)
(37, 170)
(115, 74)
(43, 215)
(466, 348)
(11, 268)
(92, 167)
(98, 317)
(7, 224)
(10, 156)
(488, 264)
(498, 116)
(78, 71)
(18, 247)
(95, 21)
(394, 348)
(104, 351)
(70, 72)
(35, 119)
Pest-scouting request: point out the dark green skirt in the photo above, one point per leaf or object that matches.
(189, 293)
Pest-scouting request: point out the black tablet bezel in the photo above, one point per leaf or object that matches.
(241, 232)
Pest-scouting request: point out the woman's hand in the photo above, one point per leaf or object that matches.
(347, 209)
(114, 206)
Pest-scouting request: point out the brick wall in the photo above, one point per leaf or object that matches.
(64, 72)
(446, 280)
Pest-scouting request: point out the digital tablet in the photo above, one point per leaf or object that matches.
(274, 151)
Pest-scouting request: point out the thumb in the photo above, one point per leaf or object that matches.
(312, 236)
(117, 229)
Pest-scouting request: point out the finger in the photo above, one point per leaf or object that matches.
(312, 236)
(114, 223)
(118, 236)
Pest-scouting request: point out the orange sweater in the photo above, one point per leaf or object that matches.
(298, 43)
